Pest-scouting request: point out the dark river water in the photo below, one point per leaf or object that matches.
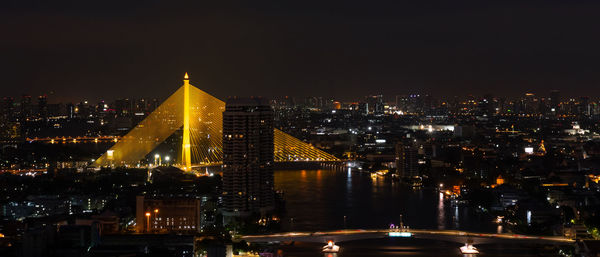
(319, 200)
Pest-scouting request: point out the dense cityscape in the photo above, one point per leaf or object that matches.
(526, 165)
(188, 128)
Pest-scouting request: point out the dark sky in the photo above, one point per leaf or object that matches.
(345, 49)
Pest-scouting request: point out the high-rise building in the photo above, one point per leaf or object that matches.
(83, 109)
(486, 105)
(123, 107)
(583, 107)
(407, 160)
(155, 103)
(529, 104)
(70, 110)
(375, 104)
(42, 107)
(141, 106)
(363, 108)
(402, 103)
(8, 109)
(555, 99)
(26, 108)
(247, 157)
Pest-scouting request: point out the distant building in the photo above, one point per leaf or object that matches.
(168, 214)
(26, 106)
(71, 110)
(337, 105)
(123, 107)
(247, 157)
(555, 100)
(363, 108)
(42, 107)
(375, 104)
(7, 108)
(407, 160)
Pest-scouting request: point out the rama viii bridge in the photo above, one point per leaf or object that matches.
(199, 116)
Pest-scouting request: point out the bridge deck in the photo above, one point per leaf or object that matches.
(444, 235)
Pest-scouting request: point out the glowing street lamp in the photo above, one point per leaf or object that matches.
(148, 221)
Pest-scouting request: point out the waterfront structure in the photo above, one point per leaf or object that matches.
(247, 157)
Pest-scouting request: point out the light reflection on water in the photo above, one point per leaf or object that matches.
(319, 200)
(441, 221)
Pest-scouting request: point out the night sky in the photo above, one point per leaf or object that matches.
(343, 49)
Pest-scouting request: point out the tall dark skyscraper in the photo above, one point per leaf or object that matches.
(42, 107)
(247, 157)
(26, 108)
(584, 106)
(123, 107)
(406, 160)
(375, 104)
(8, 108)
(555, 99)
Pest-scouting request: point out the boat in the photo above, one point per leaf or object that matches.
(468, 249)
(331, 247)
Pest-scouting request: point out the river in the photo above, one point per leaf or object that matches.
(318, 200)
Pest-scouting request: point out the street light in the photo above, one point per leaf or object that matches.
(156, 156)
(148, 221)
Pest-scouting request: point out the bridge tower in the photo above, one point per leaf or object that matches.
(186, 157)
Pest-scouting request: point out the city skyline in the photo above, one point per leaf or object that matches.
(52, 98)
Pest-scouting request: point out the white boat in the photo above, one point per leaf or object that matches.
(331, 248)
(468, 249)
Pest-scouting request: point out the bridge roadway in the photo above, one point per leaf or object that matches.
(460, 237)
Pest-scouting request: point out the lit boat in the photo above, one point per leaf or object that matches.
(399, 234)
(468, 249)
(331, 248)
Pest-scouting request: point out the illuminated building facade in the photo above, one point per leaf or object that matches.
(159, 215)
(247, 157)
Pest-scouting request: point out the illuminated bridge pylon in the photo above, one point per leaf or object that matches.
(200, 117)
